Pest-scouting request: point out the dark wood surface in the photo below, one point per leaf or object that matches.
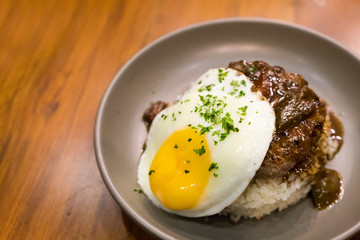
(56, 60)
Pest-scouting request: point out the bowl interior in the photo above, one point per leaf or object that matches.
(165, 68)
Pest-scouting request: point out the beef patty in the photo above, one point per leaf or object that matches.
(300, 116)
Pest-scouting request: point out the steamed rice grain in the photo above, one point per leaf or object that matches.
(263, 196)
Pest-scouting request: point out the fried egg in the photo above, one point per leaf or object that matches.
(202, 152)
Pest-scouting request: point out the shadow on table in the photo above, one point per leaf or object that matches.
(133, 230)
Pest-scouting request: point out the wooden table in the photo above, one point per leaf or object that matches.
(56, 60)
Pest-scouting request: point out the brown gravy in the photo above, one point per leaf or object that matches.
(327, 189)
(337, 130)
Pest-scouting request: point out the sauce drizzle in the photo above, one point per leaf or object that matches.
(328, 189)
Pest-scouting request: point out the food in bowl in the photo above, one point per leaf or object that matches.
(242, 141)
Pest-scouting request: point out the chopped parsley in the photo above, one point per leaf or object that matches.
(212, 109)
(228, 125)
(186, 171)
(235, 83)
(200, 151)
(213, 165)
(176, 146)
(163, 116)
(189, 140)
(207, 88)
(241, 94)
(222, 75)
(187, 161)
(138, 190)
(215, 174)
(243, 109)
(223, 136)
(252, 69)
(205, 129)
(151, 172)
(217, 132)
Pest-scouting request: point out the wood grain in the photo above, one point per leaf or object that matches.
(56, 60)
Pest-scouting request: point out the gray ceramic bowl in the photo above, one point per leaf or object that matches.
(166, 67)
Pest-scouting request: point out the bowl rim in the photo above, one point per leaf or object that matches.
(99, 114)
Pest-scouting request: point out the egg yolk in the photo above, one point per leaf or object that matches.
(179, 171)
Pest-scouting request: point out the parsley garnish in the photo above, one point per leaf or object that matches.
(138, 190)
(186, 171)
(223, 136)
(208, 87)
(243, 109)
(228, 124)
(215, 174)
(189, 140)
(235, 83)
(213, 165)
(241, 93)
(252, 69)
(151, 172)
(205, 129)
(217, 132)
(200, 151)
(222, 75)
(176, 146)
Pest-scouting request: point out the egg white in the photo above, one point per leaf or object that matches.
(238, 156)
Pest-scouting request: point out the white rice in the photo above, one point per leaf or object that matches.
(263, 196)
